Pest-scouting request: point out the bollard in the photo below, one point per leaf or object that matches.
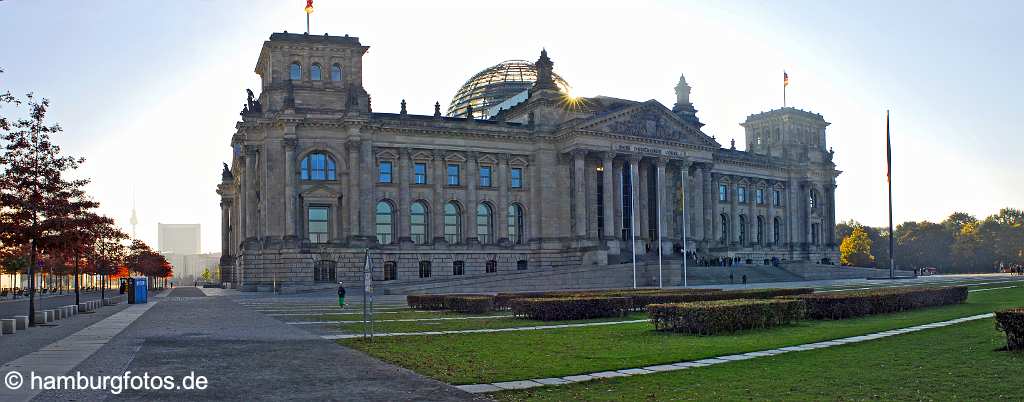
(58, 314)
(83, 307)
(7, 326)
(41, 317)
(74, 309)
(21, 322)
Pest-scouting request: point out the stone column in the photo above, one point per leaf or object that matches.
(579, 212)
(769, 224)
(401, 217)
(697, 192)
(354, 184)
(831, 224)
(733, 213)
(632, 168)
(617, 211)
(289, 187)
(225, 224)
(367, 178)
(643, 229)
(437, 210)
(608, 212)
(472, 199)
(251, 218)
(501, 214)
(708, 195)
(661, 196)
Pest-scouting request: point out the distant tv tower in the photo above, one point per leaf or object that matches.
(135, 219)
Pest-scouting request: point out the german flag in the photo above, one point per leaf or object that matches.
(309, 7)
(785, 76)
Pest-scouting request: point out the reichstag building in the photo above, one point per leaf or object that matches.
(514, 175)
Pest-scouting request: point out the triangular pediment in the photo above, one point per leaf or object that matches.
(648, 119)
(319, 191)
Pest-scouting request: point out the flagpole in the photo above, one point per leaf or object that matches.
(632, 218)
(785, 83)
(888, 178)
(307, 22)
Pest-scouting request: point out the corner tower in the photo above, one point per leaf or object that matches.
(311, 72)
(787, 133)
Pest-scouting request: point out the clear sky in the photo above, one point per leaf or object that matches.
(149, 91)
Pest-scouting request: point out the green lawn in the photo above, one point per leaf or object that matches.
(353, 315)
(507, 321)
(960, 362)
(504, 356)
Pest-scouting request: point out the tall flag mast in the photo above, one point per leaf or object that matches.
(785, 83)
(309, 10)
(888, 179)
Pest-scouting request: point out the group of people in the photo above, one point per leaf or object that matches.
(1017, 270)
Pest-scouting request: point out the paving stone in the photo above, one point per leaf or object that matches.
(634, 371)
(711, 361)
(552, 381)
(663, 367)
(735, 357)
(524, 384)
(478, 388)
(759, 354)
(686, 365)
(608, 374)
(578, 378)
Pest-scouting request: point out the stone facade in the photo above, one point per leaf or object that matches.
(317, 178)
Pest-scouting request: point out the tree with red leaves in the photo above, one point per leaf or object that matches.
(34, 194)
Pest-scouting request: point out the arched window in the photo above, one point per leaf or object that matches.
(385, 222)
(760, 230)
(318, 166)
(335, 72)
(743, 229)
(314, 72)
(418, 222)
(452, 223)
(776, 230)
(515, 223)
(295, 72)
(724, 229)
(483, 224)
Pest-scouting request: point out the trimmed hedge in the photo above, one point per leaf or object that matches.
(1011, 322)
(435, 302)
(425, 302)
(643, 297)
(578, 308)
(470, 304)
(840, 305)
(721, 316)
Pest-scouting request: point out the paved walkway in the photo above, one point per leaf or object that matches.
(245, 356)
(540, 382)
(60, 357)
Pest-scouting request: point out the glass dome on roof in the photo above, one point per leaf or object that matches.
(497, 84)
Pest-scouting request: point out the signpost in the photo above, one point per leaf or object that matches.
(367, 294)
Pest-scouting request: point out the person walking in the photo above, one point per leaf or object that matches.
(744, 279)
(341, 294)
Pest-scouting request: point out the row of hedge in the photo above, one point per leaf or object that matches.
(1011, 322)
(462, 303)
(578, 308)
(502, 301)
(714, 317)
(840, 305)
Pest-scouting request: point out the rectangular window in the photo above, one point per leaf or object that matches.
(759, 196)
(521, 265)
(424, 269)
(390, 270)
(517, 177)
(723, 193)
(324, 271)
(385, 172)
(420, 173)
(458, 268)
(741, 194)
(317, 224)
(485, 176)
(776, 197)
(491, 267)
(453, 175)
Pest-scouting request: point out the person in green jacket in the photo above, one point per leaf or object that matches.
(341, 294)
